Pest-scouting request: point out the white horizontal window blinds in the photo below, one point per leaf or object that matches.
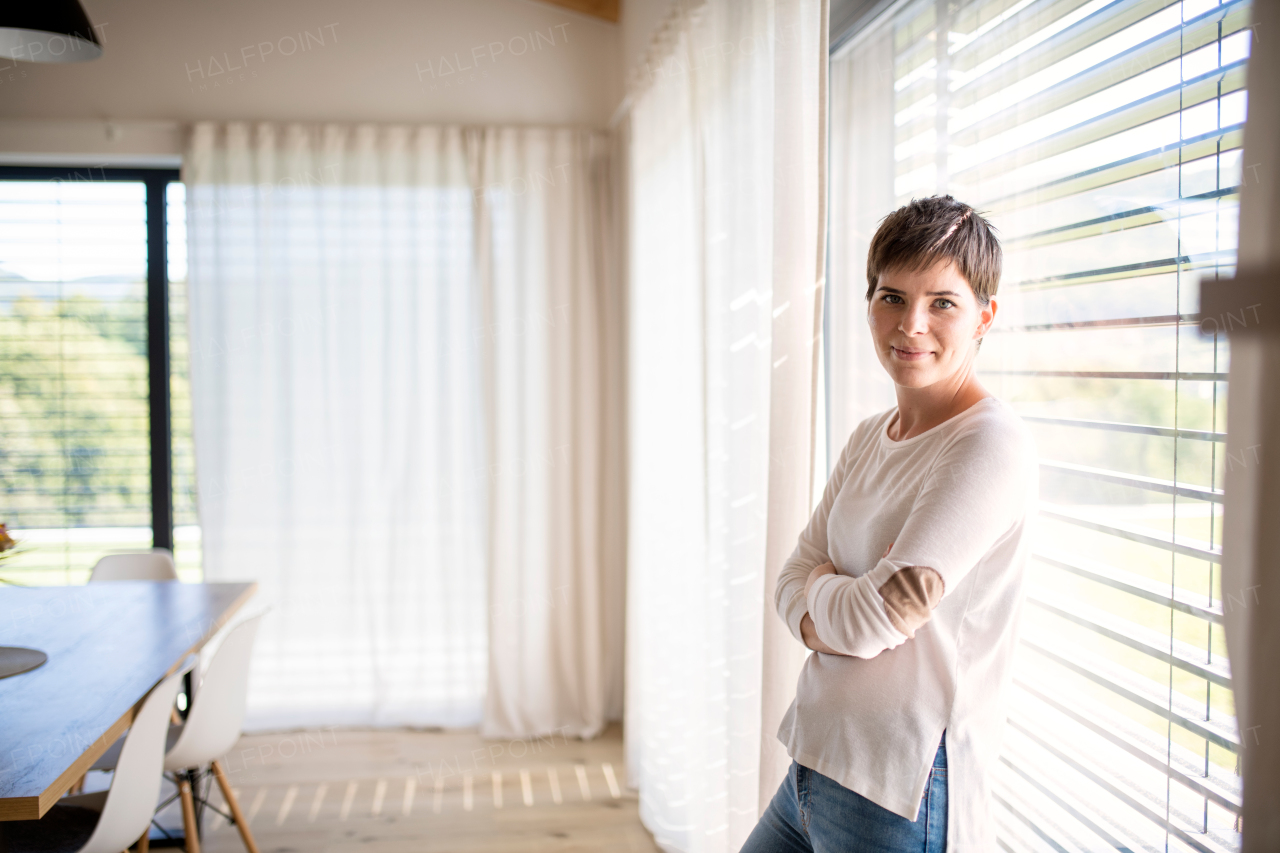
(1103, 139)
(75, 452)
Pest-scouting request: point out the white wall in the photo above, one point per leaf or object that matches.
(639, 19)
(170, 62)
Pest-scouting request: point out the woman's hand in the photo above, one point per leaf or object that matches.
(819, 571)
(810, 634)
(807, 629)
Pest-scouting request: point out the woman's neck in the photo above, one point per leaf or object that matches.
(922, 409)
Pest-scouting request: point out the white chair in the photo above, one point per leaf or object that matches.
(123, 812)
(211, 729)
(214, 722)
(153, 565)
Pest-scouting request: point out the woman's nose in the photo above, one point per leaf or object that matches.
(915, 320)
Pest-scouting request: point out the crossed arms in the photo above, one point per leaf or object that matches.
(970, 499)
(808, 632)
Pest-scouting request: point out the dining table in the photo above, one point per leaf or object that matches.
(108, 644)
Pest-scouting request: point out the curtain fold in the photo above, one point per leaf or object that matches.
(397, 389)
(541, 232)
(799, 277)
(725, 137)
(862, 131)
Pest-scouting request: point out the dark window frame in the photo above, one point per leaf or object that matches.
(156, 181)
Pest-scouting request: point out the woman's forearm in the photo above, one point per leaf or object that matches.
(811, 639)
(849, 614)
(789, 597)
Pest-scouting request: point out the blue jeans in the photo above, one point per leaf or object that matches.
(814, 814)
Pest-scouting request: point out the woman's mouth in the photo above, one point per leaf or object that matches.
(911, 354)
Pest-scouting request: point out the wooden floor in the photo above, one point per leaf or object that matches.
(385, 791)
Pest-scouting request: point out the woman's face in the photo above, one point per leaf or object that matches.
(925, 324)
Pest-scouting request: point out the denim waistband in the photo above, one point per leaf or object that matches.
(940, 757)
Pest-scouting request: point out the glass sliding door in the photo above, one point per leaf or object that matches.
(84, 381)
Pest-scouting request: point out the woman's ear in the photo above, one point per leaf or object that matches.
(987, 317)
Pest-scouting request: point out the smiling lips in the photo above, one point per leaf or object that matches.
(911, 354)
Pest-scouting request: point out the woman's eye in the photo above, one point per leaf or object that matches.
(944, 303)
(892, 298)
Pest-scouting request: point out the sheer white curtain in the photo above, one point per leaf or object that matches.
(386, 324)
(862, 137)
(549, 349)
(725, 172)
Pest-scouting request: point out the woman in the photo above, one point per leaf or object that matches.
(907, 581)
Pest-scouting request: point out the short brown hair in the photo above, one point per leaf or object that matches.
(930, 230)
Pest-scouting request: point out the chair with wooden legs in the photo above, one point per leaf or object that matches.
(211, 729)
(109, 821)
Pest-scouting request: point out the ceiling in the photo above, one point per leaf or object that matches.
(607, 10)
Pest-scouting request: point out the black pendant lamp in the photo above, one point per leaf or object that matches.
(47, 31)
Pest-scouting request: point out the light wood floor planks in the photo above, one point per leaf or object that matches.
(398, 791)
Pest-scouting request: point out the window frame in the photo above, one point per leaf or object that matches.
(159, 403)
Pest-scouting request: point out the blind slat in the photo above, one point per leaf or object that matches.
(1216, 674)
(1135, 585)
(1109, 171)
(1140, 429)
(1202, 550)
(1150, 484)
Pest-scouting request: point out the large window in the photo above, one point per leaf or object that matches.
(1103, 138)
(94, 426)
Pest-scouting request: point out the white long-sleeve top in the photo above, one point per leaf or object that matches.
(954, 503)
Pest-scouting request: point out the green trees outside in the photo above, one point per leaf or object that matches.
(74, 412)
